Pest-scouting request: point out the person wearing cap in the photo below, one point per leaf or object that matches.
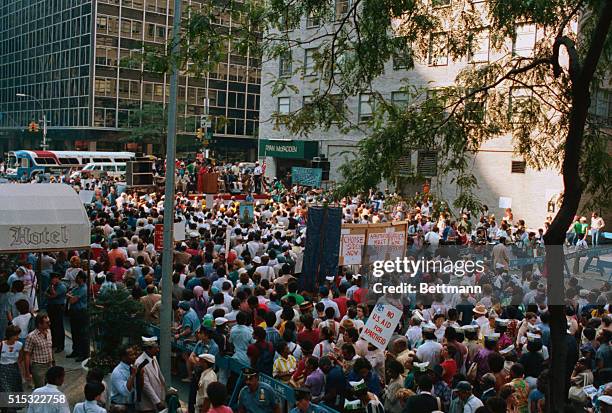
(430, 350)
(77, 309)
(369, 400)
(256, 397)
(468, 403)
(302, 401)
(208, 375)
(56, 302)
(150, 383)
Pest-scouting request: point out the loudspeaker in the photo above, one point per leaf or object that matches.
(324, 165)
(139, 173)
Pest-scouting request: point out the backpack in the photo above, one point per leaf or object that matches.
(266, 358)
(31, 323)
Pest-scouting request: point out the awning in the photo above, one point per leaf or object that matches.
(42, 217)
(291, 149)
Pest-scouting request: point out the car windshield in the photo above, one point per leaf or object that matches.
(12, 161)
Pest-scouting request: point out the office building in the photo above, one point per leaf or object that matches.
(71, 56)
(503, 177)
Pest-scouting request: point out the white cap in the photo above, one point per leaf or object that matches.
(208, 357)
(219, 321)
(418, 315)
(429, 326)
(149, 341)
(257, 260)
(422, 366)
(507, 350)
(330, 278)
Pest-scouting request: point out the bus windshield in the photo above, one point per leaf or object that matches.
(12, 161)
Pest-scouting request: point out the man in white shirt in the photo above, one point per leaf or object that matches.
(257, 173)
(430, 350)
(59, 402)
(327, 302)
(597, 224)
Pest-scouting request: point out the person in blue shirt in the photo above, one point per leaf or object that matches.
(190, 321)
(56, 302)
(335, 384)
(302, 402)
(79, 321)
(256, 397)
(123, 379)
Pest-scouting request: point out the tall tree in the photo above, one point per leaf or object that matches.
(542, 98)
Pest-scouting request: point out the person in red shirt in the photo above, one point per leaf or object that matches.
(360, 295)
(217, 394)
(342, 300)
(308, 333)
(448, 364)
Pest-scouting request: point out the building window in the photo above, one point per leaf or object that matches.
(479, 50)
(341, 8)
(365, 107)
(309, 62)
(284, 63)
(518, 167)
(427, 163)
(402, 57)
(307, 100)
(102, 24)
(524, 40)
(400, 99)
(474, 110)
(602, 108)
(438, 49)
(313, 19)
(284, 106)
(521, 105)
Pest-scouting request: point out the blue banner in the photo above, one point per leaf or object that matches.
(306, 176)
(322, 250)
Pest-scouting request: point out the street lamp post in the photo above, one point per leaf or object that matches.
(44, 142)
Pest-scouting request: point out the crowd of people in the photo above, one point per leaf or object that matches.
(241, 299)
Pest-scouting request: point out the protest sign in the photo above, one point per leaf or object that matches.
(352, 248)
(247, 212)
(381, 325)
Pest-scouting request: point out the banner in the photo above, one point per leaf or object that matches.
(322, 251)
(306, 176)
(377, 245)
(383, 241)
(380, 325)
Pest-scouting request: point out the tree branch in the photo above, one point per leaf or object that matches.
(574, 60)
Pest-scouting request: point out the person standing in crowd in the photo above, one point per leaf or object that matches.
(256, 397)
(79, 320)
(151, 385)
(38, 351)
(217, 394)
(123, 381)
(597, 225)
(54, 377)
(11, 358)
(56, 303)
(93, 395)
(208, 376)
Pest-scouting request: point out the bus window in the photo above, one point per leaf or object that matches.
(121, 168)
(85, 161)
(25, 163)
(102, 160)
(110, 168)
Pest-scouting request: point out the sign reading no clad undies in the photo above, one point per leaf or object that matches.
(381, 325)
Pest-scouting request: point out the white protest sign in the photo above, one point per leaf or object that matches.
(381, 325)
(352, 248)
(505, 202)
(179, 231)
(377, 245)
(396, 244)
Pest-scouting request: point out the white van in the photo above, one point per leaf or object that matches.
(113, 169)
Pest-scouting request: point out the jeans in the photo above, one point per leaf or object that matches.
(595, 237)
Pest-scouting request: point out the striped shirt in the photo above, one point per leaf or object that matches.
(284, 365)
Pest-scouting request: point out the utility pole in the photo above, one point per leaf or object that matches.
(167, 256)
(44, 117)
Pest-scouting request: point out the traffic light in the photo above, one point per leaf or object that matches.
(200, 133)
(33, 127)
